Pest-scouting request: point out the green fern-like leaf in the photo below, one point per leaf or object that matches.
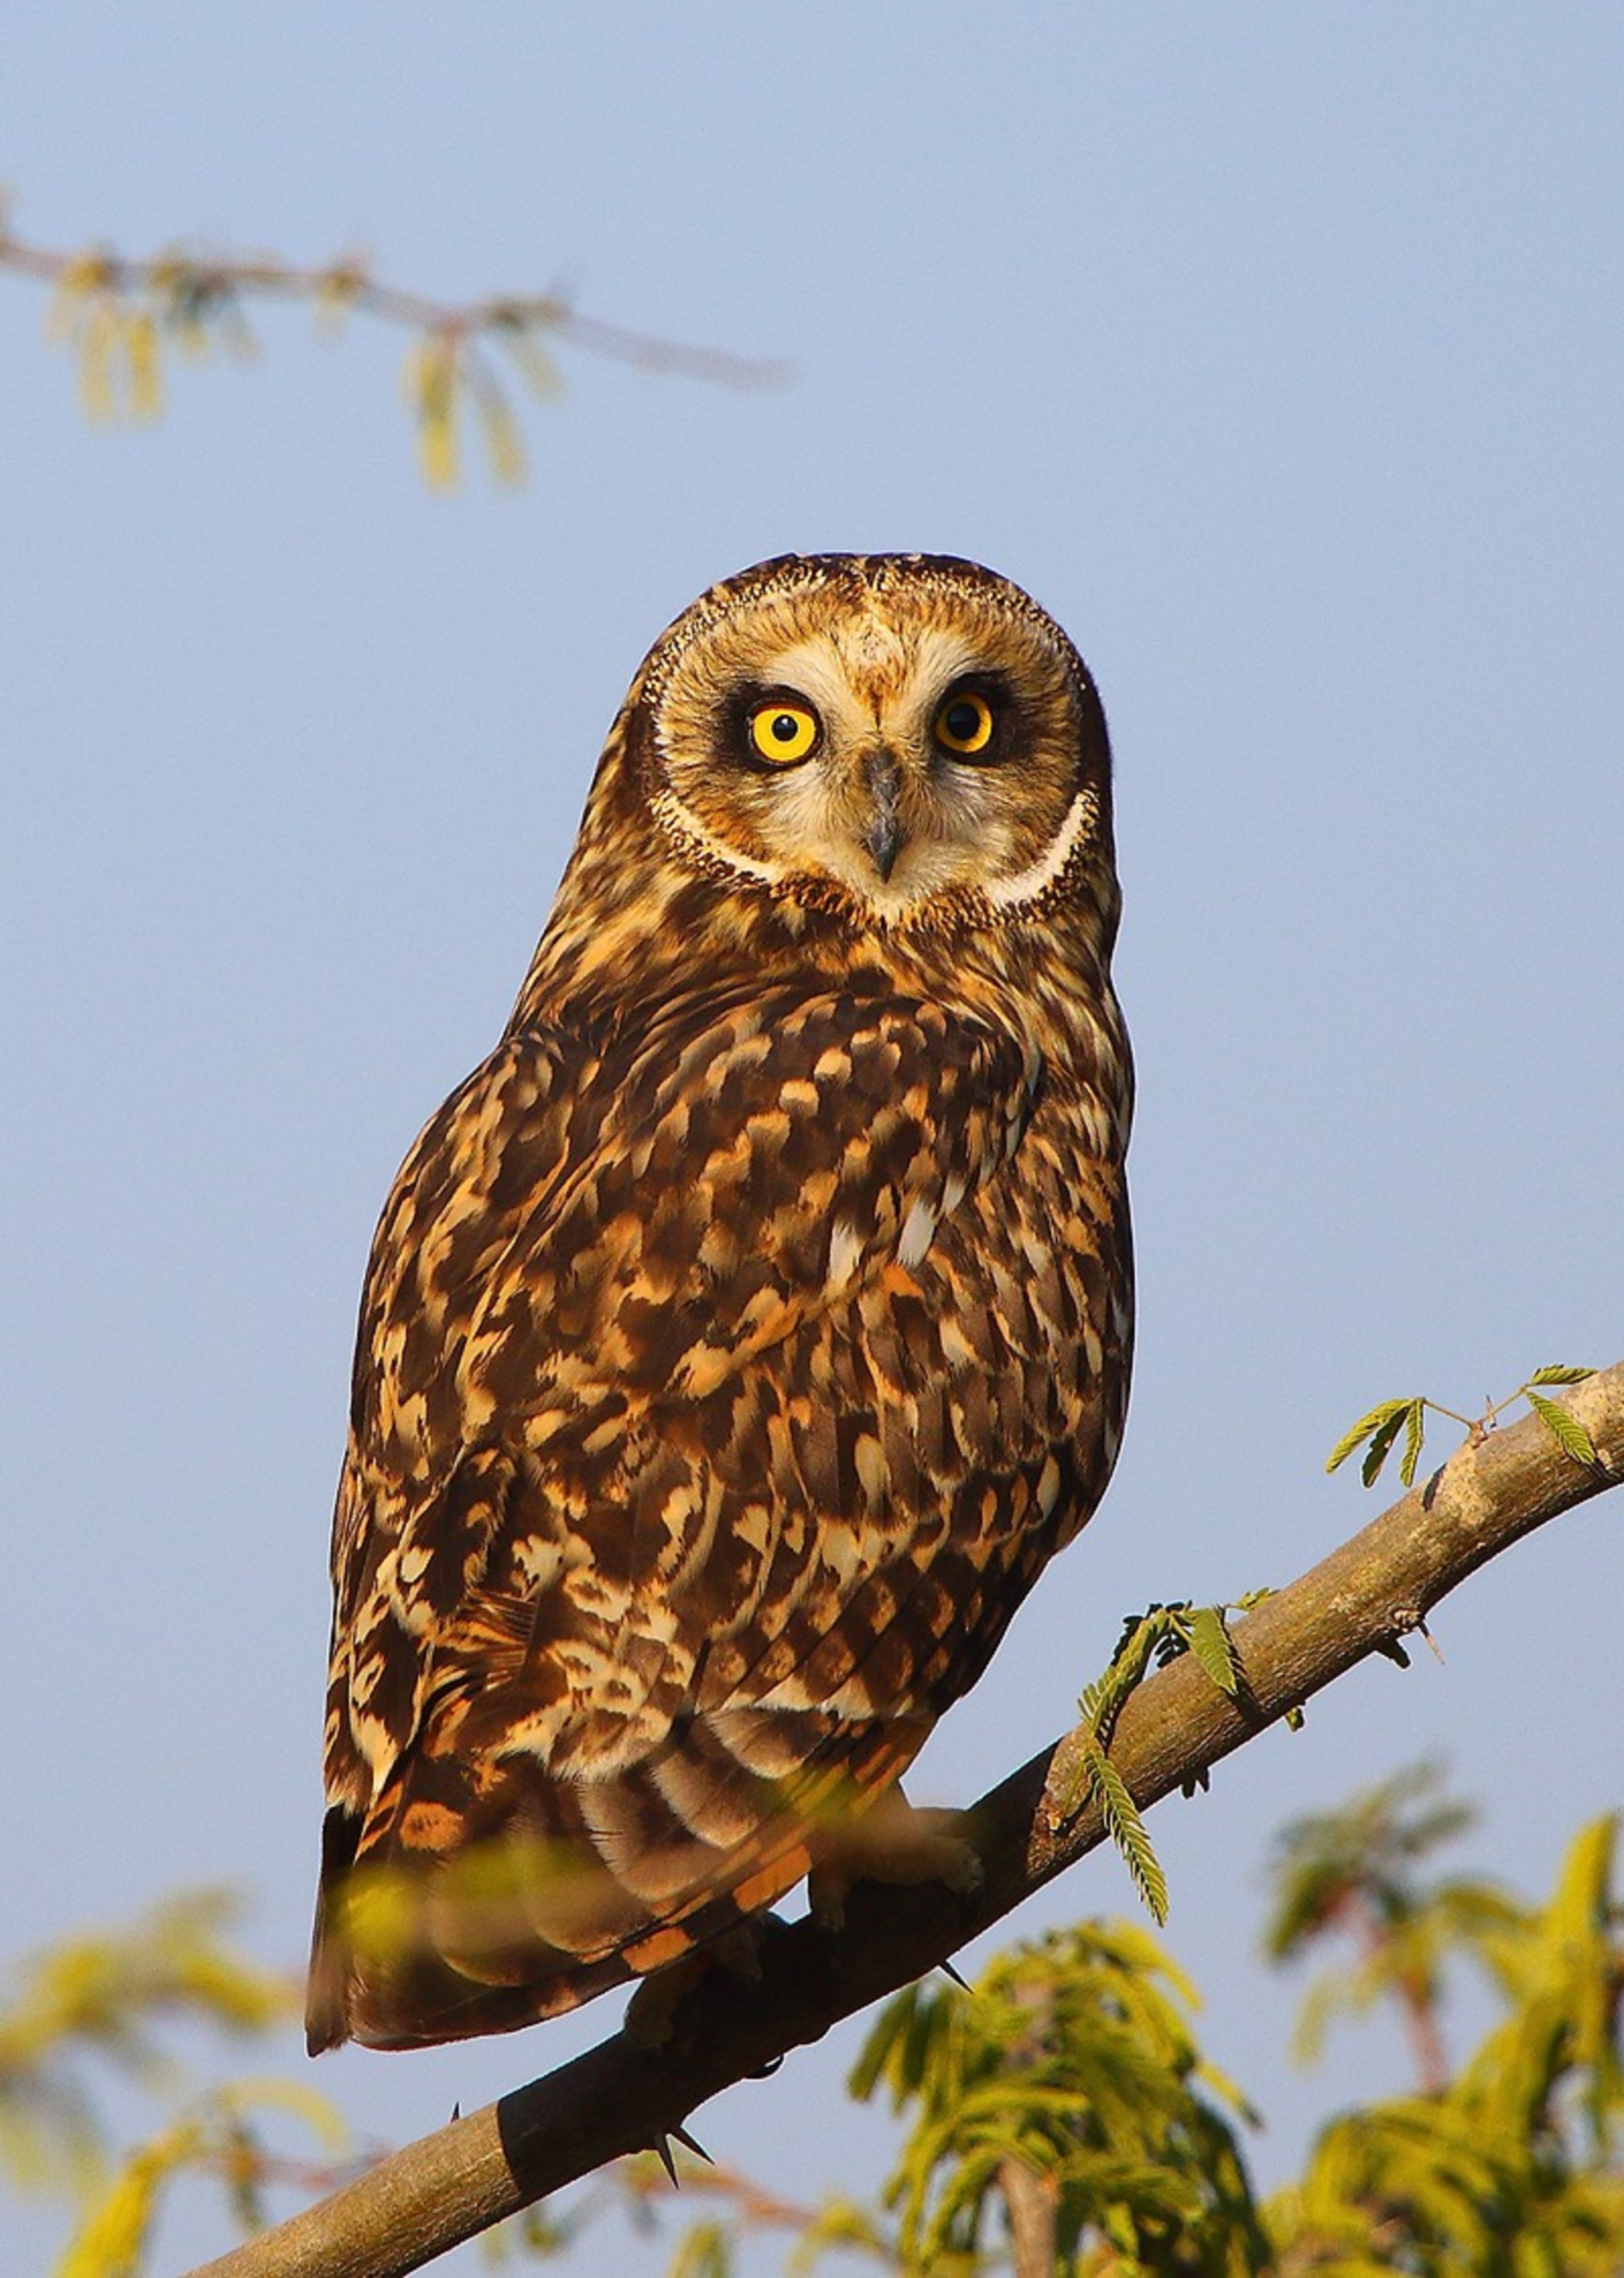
(1377, 1420)
(1415, 1432)
(1382, 1442)
(1561, 1375)
(895, 2049)
(1569, 1433)
(1209, 1642)
(1126, 1827)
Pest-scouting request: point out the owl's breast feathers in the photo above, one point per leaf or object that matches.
(722, 1384)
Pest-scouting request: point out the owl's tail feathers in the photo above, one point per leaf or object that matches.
(434, 1925)
(405, 1958)
(326, 2006)
(411, 1949)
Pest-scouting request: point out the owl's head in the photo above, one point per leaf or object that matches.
(895, 738)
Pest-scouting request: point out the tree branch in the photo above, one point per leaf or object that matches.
(195, 282)
(113, 310)
(620, 2098)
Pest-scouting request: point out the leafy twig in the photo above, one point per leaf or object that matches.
(1381, 1426)
(115, 314)
(1162, 1633)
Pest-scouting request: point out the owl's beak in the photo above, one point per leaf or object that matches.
(882, 835)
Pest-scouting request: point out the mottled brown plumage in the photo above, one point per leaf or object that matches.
(745, 1333)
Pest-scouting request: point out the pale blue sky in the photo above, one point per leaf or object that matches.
(1277, 350)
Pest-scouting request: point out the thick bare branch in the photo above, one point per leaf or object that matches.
(1364, 1598)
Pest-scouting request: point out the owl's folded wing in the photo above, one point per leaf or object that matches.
(650, 1453)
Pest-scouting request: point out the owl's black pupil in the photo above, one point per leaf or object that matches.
(785, 728)
(964, 723)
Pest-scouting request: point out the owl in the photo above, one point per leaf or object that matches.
(744, 1335)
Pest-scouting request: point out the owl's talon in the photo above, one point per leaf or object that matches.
(893, 1843)
(963, 1870)
(739, 1951)
(827, 1887)
(651, 2014)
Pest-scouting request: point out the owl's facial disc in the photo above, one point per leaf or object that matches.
(906, 749)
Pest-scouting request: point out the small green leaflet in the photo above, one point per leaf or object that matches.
(1382, 1426)
(1412, 1432)
(1126, 1827)
(1569, 1433)
(1209, 1642)
(1381, 1442)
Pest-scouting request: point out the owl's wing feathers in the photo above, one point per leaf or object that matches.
(666, 1512)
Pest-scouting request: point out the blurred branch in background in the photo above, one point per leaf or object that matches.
(1351, 1874)
(1514, 2163)
(99, 2013)
(117, 316)
(99, 1995)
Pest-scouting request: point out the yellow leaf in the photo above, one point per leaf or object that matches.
(108, 2243)
(502, 438)
(98, 338)
(140, 347)
(431, 377)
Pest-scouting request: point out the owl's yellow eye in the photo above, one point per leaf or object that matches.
(964, 725)
(782, 733)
